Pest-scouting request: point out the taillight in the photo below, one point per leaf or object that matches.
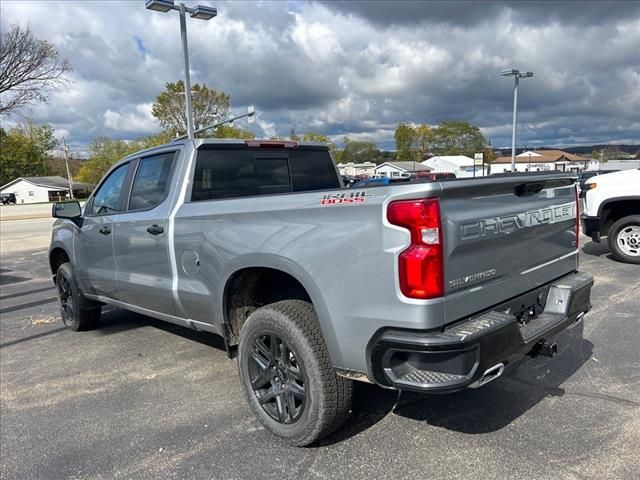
(420, 265)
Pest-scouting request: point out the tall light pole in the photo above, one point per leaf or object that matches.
(200, 12)
(517, 76)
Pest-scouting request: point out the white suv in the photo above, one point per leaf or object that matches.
(612, 209)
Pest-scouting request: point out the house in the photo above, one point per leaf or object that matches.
(541, 161)
(354, 169)
(44, 189)
(399, 169)
(460, 165)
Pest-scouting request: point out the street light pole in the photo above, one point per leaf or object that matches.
(201, 13)
(187, 74)
(517, 76)
(515, 122)
(250, 115)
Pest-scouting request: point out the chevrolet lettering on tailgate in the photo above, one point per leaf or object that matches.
(512, 223)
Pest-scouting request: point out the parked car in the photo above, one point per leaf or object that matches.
(380, 181)
(587, 174)
(434, 175)
(348, 180)
(612, 210)
(432, 287)
(8, 198)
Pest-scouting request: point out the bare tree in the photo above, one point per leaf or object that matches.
(28, 68)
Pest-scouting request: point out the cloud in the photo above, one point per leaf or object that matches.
(353, 68)
(138, 118)
(468, 13)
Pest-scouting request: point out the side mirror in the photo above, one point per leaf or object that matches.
(69, 210)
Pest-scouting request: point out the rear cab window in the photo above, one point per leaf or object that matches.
(237, 171)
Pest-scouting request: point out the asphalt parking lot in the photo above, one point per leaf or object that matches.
(138, 398)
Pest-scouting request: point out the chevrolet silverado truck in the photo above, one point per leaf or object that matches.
(611, 208)
(432, 287)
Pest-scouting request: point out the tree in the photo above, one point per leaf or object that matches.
(229, 131)
(359, 152)
(209, 106)
(58, 167)
(103, 153)
(405, 136)
(315, 137)
(424, 138)
(454, 137)
(24, 151)
(321, 138)
(28, 68)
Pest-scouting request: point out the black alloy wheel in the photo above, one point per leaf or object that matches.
(65, 294)
(77, 311)
(277, 378)
(287, 375)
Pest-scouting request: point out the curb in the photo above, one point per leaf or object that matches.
(34, 216)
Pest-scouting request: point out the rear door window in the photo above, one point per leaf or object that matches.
(151, 183)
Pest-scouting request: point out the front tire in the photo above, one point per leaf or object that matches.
(287, 375)
(77, 311)
(624, 239)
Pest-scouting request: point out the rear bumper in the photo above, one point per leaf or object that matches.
(460, 356)
(591, 227)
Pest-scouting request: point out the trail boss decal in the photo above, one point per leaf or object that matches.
(344, 197)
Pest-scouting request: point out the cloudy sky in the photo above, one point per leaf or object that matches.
(351, 68)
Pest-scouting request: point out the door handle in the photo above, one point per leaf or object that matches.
(105, 230)
(155, 229)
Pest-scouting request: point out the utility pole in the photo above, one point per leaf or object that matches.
(66, 162)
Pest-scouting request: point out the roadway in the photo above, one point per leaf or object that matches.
(140, 399)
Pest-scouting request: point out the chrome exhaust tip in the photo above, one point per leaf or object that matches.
(489, 375)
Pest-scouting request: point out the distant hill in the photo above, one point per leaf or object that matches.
(578, 150)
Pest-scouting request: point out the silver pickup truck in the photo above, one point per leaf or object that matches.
(431, 287)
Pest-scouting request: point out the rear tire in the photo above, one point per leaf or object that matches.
(624, 239)
(77, 311)
(287, 375)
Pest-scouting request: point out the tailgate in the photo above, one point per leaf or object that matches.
(505, 236)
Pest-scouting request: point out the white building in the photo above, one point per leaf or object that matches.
(460, 165)
(625, 164)
(355, 169)
(399, 169)
(43, 189)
